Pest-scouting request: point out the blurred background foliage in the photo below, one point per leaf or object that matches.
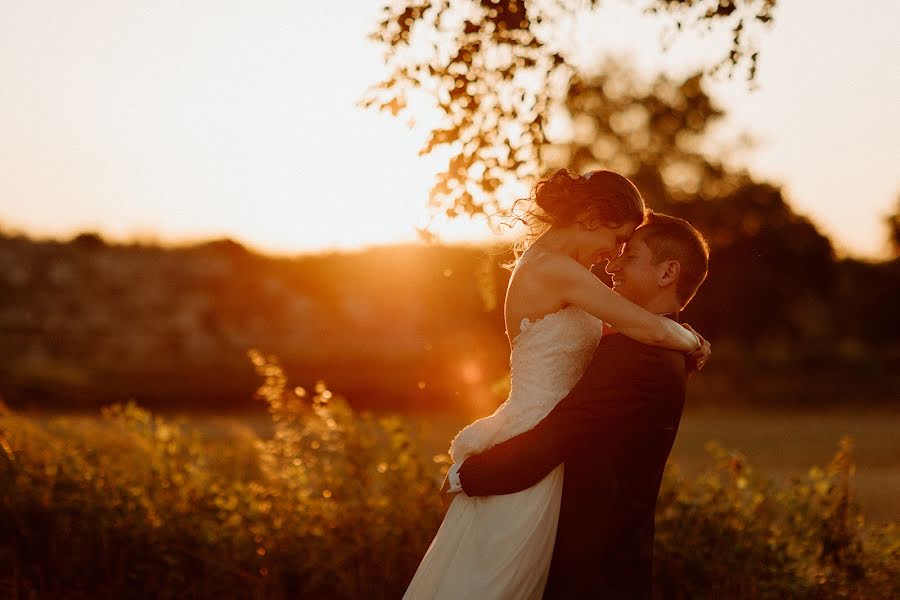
(339, 504)
(498, 73)
(83, 323)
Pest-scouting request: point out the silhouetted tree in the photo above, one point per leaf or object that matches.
(648, 132)
(893, 223)
(772, 271)
(496, 69)
(89, 240)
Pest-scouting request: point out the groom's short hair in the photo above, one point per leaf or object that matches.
(671, 238)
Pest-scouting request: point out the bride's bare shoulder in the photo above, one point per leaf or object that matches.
(543, 266)
(538, 261)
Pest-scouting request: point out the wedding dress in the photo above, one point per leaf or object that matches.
(499, 547)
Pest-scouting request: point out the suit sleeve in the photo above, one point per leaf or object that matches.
(592, 410)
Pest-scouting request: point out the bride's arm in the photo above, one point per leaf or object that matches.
(581, 288)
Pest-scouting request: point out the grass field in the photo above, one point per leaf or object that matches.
(776, 444)
(316, 500)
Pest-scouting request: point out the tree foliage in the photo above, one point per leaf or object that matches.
(497, 69)
(893, 224)
(766, 258)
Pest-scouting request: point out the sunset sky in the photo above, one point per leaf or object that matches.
(184, 120)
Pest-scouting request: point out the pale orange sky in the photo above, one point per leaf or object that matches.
(182, 120)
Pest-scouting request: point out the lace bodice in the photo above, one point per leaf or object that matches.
(548, 358)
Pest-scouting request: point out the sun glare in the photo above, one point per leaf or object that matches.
(197, 123)
(172, 145)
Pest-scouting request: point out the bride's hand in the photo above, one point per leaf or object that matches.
(698, 357)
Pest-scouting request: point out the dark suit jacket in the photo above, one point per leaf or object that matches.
(614, 432)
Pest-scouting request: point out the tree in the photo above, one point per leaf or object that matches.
(773, 276)
(497, 69)
(893, 223)
(649, 132)
(766, 259)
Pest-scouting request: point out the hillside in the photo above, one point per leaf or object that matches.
(84, 323)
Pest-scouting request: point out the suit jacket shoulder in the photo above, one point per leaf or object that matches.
(622, 367)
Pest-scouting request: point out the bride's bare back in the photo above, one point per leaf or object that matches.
(528, 296)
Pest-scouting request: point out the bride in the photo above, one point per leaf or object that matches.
(501, 546)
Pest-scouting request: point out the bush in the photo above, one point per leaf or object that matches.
(729, 534)
(341, 505)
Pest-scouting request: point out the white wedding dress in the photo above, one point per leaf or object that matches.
(495, 547)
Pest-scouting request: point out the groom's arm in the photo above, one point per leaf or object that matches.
(597, 408)
(524, 460)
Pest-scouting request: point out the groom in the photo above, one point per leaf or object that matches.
(613, 431)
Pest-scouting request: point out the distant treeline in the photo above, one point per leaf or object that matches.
(85, 322)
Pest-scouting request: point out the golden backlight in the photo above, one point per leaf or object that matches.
(184, 121)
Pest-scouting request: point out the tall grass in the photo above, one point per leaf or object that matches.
(337, 504)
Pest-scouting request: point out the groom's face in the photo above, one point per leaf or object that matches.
(634, 274)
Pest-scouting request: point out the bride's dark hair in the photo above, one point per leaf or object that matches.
(593, 199)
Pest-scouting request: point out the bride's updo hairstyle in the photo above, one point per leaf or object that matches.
(593, 199)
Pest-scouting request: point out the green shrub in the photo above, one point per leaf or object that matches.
(340, 505)
(730, 534)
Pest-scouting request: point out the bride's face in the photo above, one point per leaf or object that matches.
(603, 242)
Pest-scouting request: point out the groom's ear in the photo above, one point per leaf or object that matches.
(668, 272)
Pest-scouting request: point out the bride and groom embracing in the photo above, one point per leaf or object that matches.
(597, 389)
